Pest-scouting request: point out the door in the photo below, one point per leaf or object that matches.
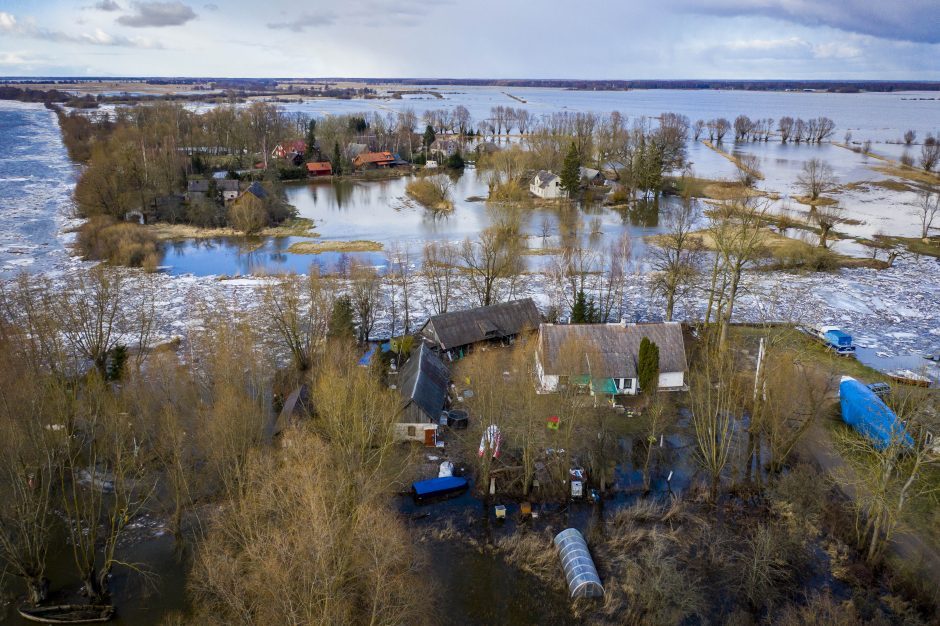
(429, 437)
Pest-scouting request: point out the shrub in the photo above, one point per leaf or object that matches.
(120, 243)
(508, 191)
(432, 191)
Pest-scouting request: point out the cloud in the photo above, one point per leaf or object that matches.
(157, 14)
(98, 37)
(304, 21)
(904, 20)
(211, 6)
(106, 5)
(12, 58)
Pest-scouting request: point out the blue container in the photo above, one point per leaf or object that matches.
(865, 412)
(438, 486)
(838, 338)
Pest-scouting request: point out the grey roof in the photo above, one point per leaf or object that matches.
(227, 184)
(198, 186)
(610, 350)
(544, 178)
(423, 380)
(587, 172)
(461, 328)
(257, 190)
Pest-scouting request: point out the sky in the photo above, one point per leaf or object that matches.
(599, 39)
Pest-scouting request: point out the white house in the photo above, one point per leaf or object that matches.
(546, 185)
(603, 357)
(228, 188)
(430, 164)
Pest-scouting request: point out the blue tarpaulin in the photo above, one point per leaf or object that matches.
(438, 486)
(865, 412)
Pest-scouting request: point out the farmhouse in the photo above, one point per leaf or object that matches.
(319, 168)
(371, 160)
(546, 185)
(604, 357)
(455, 332)
(289, 149)
(590, 176)
(423, 385)
(228, 188)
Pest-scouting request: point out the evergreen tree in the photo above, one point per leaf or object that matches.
(337, 160)
(579, 311)
(592, 314)
(341, 319)
(311, 138)
(429, 136)
(648, 366)
(571, 172)
(118, 358)
(455, 161)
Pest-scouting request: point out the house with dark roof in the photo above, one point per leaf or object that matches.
(423, 383)
(604, 357)
(546, 185)
(355, 149)
(590, 176)
(289, 149)
(455, 332)
(197, 189)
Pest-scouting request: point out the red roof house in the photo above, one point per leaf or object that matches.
(319, 168)
(374, 159)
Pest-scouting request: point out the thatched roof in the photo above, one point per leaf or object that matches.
(609, 350)
(462, 328)
(423, 381)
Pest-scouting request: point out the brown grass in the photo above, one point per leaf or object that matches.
(896, 168)
(316, 247)
(820, 201)
(914, 244)
(297, 227)
(120, 243)
(432, 192)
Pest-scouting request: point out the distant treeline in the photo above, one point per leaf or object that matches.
(614, 85)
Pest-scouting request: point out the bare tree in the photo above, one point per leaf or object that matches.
(827, 217)
(748, 171)
(675, 254)
(697, 128)
(365, 292)
(816, 179)
(298, 309)
(90, 314)
(930, 153)
(716, 401)
(927, 210)
(909, 137)
(491, 262)
(441, 273)
(402, 278)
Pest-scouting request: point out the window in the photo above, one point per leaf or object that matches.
(628, 383)
(412, 431)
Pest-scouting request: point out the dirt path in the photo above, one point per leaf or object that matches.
(818, 447)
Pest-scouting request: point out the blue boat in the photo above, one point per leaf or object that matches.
(837, 340)
(864, 411)
(437, 487)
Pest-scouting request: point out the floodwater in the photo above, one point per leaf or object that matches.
(380, 211)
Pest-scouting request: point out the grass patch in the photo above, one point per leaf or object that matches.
(294, 227)
(820, 201)
(916, 245)
(433, 192)
(715, 189)
(896, 168)
(317, 247)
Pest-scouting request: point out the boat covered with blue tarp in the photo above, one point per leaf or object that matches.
(864, 411)
(435, 487)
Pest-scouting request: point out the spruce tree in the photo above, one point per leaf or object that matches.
(579, 310)
(311, 138)
(337, 160)
(429, 136)
(341, 319)
(571, 171)
(648, 366)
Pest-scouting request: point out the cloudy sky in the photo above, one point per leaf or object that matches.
(847, 39)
